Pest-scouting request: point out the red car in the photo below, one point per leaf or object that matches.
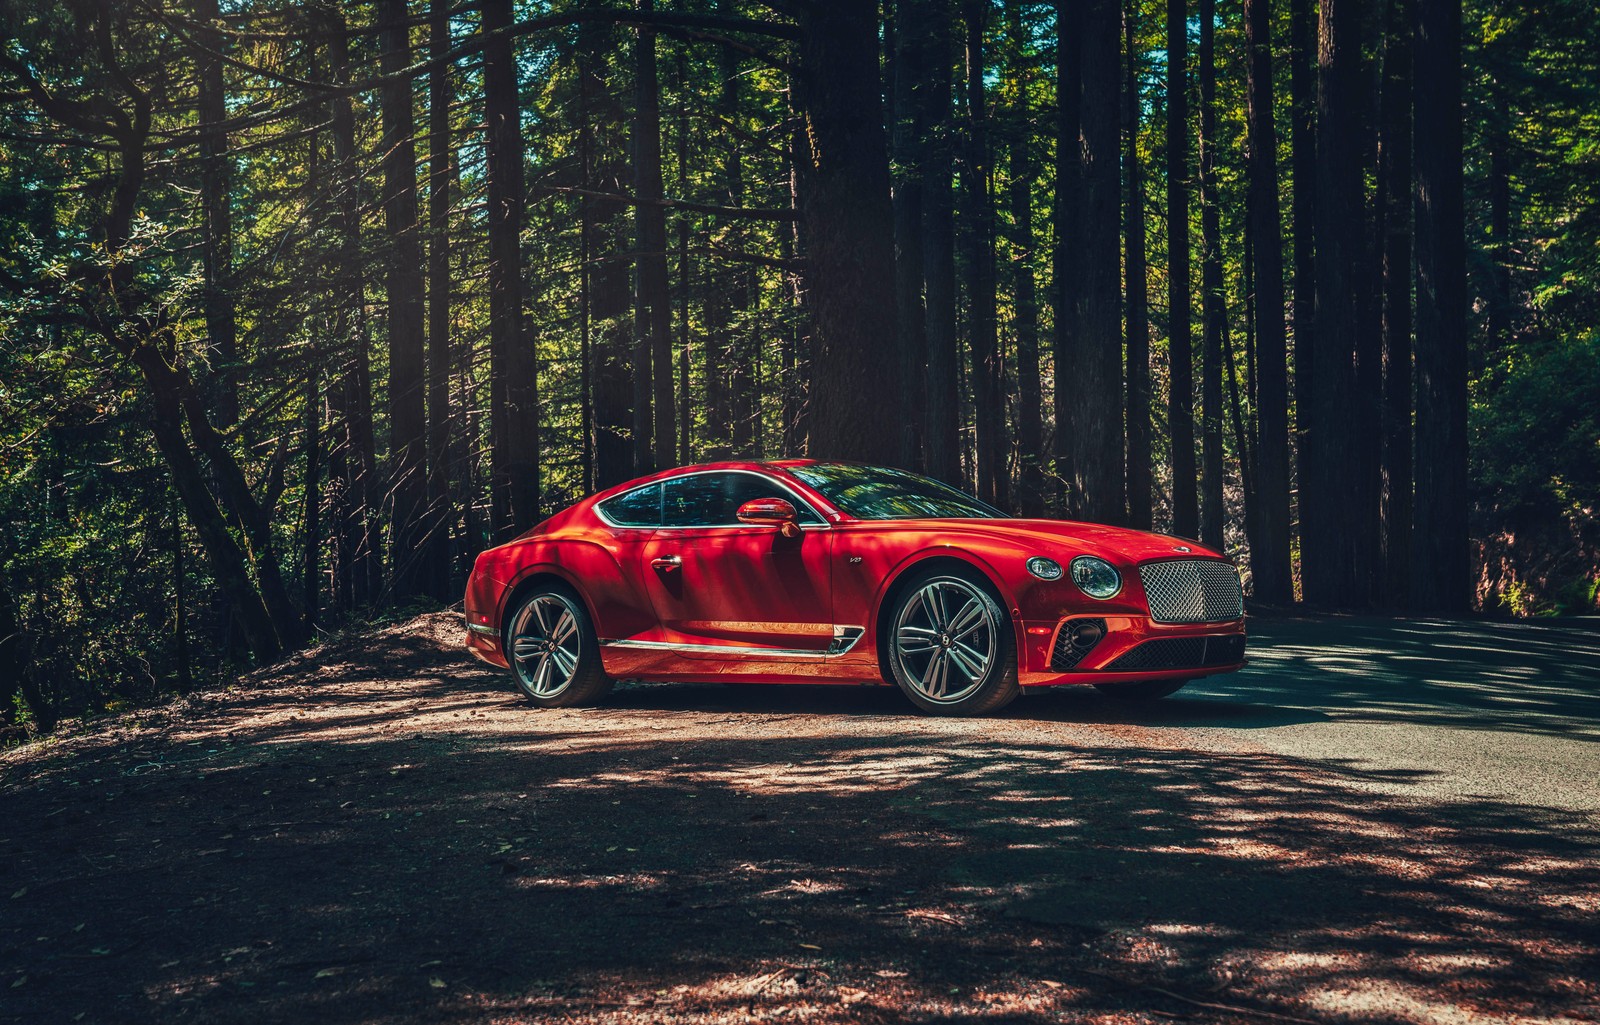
(798, 571)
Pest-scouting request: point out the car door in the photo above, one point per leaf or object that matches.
(725, 589)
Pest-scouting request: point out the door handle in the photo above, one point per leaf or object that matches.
(666, 562)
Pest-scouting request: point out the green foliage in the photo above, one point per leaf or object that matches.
(1536, 428)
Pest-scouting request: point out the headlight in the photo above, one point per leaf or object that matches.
(1095, 577)
(1044, 569)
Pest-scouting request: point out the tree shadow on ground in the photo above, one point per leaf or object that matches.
(379, 836)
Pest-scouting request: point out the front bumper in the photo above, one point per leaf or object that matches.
(1126, 649)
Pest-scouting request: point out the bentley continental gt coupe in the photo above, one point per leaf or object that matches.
(800, 571)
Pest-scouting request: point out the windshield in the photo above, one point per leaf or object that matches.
(881, 493)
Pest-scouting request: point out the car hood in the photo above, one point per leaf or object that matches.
(1075, 537)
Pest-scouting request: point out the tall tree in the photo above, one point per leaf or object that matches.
(1303, 164)
(1138, 317)
(1440, 574)
(403, 285)
(1180, 352)
(941, 450)
(652, 300)
(1330, 549)
(1068, 215)
(513, 387)
(910, 91)
(1019, 194)
(358, 550)
(849, 226)
(1214, 313)
(216, 204)
(988, 377)
(1394, 181)
(441, 176)
(1269, 546)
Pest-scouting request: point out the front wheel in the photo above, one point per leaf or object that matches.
(950, 646)
(551, 646)
(1144, 690)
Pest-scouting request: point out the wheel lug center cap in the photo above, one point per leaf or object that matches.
(944, 640)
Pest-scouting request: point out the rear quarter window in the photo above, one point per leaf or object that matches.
(640, 507)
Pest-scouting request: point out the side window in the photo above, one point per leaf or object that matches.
(713, 499)
(640, 508)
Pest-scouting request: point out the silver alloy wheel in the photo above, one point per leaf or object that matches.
(545, 644)
(945, 639)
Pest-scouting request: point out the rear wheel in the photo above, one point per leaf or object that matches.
(950, 646)
(1144, 690)
(551, 646)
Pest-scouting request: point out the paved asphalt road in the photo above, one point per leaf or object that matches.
(1434, 709)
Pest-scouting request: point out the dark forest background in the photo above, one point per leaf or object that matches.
(303, 305)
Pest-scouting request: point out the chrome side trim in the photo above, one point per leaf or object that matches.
(845, 638)
(719, 649)
(483, 628)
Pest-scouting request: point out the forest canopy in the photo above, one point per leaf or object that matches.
(302, 305)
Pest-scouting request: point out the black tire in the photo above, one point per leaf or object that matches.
(915, 668)
(560, 666)
(1144, 690)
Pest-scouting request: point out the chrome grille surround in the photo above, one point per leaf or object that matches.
(1192, 591)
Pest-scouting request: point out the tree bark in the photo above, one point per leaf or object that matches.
(1030, 430)
(1138, 316)
(1441, 579)
(1068, 223)
(652, 296)
(1394, 177)
(1332, 543)
(1303, 160)
(441, 174)
(1180, 351)
(1214, 310)
(941, 450)
(358, 549)
(407, 417)
(513, 370)
(988, 395)
(605, 221)
(910, 91)
(849, 240)
(1269, 548)
(216, 197)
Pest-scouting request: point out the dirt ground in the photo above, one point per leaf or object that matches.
(380, 831)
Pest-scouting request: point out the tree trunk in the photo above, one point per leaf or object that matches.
(1068, 223)
(910, 91)
(849, 239)
(652, 298)
(1138, 319)
(216, 197)
(513, 370)
(600, 120)
(1269, 547)
(1214, 310)
(1030, 431)
(1441, 580)
(1180, 352)
(1332, 543)
(15, 677)
(686, 273)
(988, 394)
(1394, 177)
(941, 449)
(441, 173)
(359, 569)
(407, 417)
(311, 506)
(1303, 147)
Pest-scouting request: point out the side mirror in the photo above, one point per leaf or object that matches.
(773, 512)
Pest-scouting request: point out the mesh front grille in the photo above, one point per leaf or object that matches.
(1192, 591)
(1181, 653)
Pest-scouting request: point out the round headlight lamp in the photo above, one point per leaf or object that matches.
(1096, 577)
(1044, 569)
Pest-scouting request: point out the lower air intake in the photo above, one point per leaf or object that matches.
(1181, 653)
